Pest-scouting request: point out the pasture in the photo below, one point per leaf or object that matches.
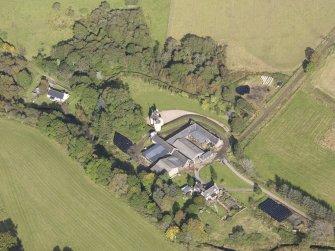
(147, 94)
(290, 146)
(34, 25)
(261, 35)
(54, 203)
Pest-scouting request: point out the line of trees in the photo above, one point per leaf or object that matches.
(316, 208)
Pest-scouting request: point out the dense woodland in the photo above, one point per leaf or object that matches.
(112, 42)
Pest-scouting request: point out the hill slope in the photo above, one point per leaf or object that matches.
(54, 203)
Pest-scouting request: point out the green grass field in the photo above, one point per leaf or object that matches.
(261, 34)
(147, 94)
(54, 203)
(290, 146)
(33, 24)
(225, 177)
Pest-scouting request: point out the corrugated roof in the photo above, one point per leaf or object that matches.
(155, 152)
(197, 132)
(158, 140)
(200, 137)
(187, 148)
(167, 164)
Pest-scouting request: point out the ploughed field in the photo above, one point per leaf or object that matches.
(54, 203)
(296, 145)
(261, 35)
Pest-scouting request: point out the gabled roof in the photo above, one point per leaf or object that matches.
(155, 152)
(186, 189)
(187, 148)
(167, 164)
(55, 94)
(158, 140)
(210, 191)
(159, 150)
(197, 132)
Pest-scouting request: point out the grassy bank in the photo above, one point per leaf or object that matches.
(54, 202)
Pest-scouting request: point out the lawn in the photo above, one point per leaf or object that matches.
(147, 95)
(34, 25)
(54, 203)
(290, 146)
(225, 177)
(262, 35)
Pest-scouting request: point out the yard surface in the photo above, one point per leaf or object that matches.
(261, 35)
(291, 146)
(147, 95)
(33, 25)
(54, 203)
(225, 177)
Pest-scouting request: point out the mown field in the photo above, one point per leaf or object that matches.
(290, 146)
(261, 34)
(325, 77)
(34, 25)
(147, 95)
(54, 203)
(225, 177)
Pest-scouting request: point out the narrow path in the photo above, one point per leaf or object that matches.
(267, 192)
(240, 190)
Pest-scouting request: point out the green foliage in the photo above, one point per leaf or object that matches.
(214, 175)
(100, 171)
(237, 124)
(243, 108)
(139, 201)
(81, 149)
(125, 116)
(147, 181)
(196, 230)
(53, 124)
(87, 97)
(237, 232)
(190, 180)
(7, 241)
(24, 78)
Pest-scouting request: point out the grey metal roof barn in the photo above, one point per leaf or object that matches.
(187, 148)
(197, 132)
(155, 152)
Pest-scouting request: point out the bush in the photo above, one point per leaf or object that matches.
(56, 6)
(24, 78)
